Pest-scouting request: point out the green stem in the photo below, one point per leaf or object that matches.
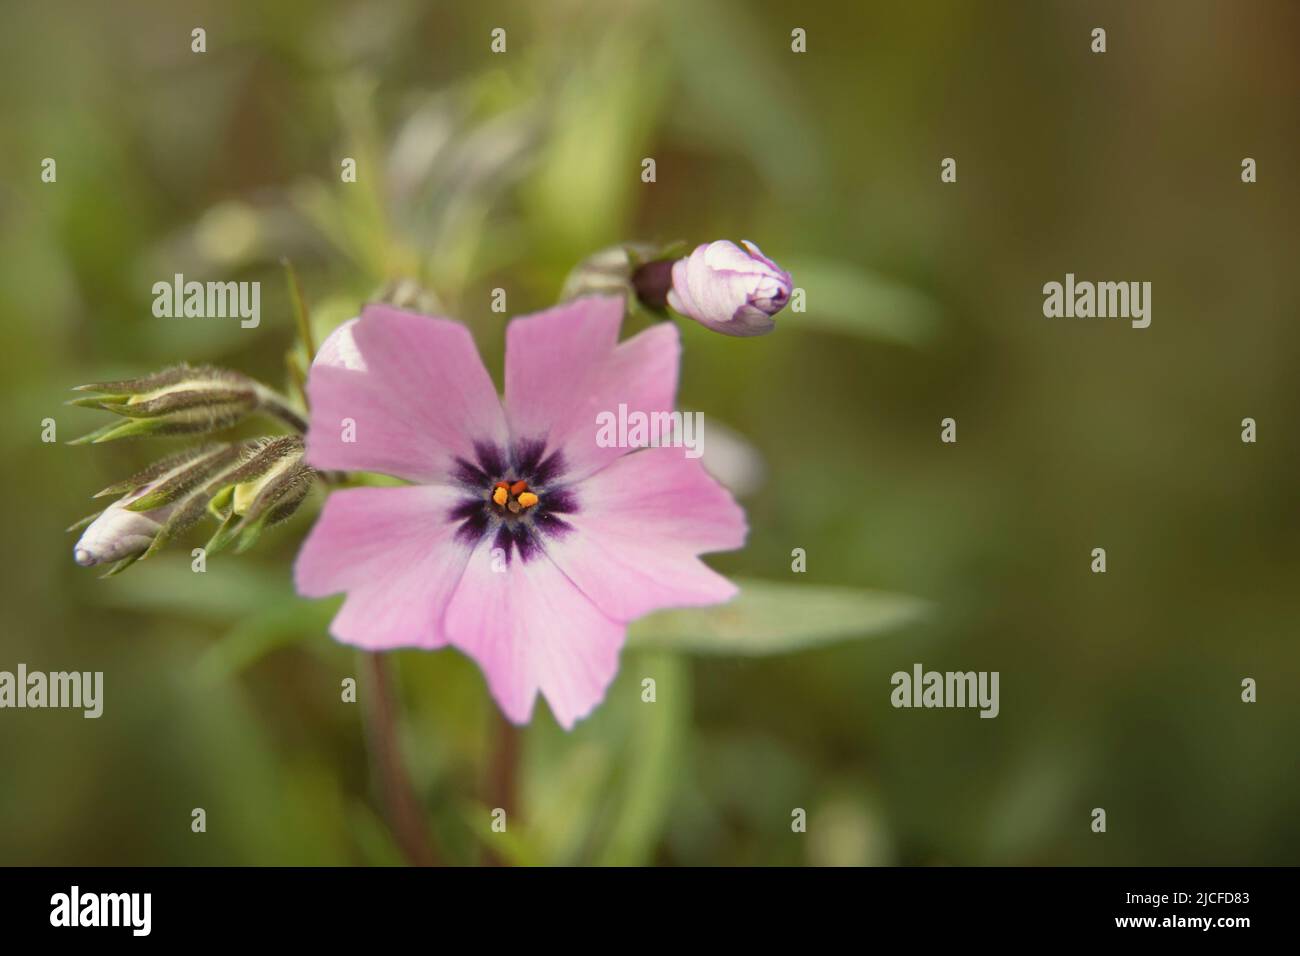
(405, 815)
(300, 310)
(296, 377)
(278, 407)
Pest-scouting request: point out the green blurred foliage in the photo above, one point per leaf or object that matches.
(479, 171)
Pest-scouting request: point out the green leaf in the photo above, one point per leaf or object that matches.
(578, 194)
(654, 749)
(511, 845)
(226, 592)
(567, 777)
(120, 566)
(844, 298)
(221, 505)
(771, 618)
(372, 837)
(115, 430)
(254, 637)
(224, 534)
(721, 66)
(300, 314)
(84, 522)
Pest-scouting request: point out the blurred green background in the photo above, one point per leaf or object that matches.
(481, 170)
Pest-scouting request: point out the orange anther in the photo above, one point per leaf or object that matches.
(518, 488)
(528, 499)
(500, 495)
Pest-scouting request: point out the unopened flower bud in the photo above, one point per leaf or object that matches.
(265, 490)
(156, 504)
(119, 533)
(728, 289)
(176, 401)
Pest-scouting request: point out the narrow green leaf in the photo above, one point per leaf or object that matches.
(120, 566)
(98, 401)
(223, 535)
(299, 310)
(221, 506)
(845, 298)
(647, 783)
(84, 522)
(227, 592)
(771, 618)
(511, 845)
(108, 433)
(283, 623)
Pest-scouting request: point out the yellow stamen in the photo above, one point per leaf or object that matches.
(500, 495)
(528, 499)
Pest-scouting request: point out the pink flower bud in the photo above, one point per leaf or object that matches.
(728, 289)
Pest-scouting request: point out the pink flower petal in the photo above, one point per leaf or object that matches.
(717, 290)
(564, 367)
(419, 399)
(638, 528)
(530, 629)
(340, 349)
(393, 551)
(729, 256)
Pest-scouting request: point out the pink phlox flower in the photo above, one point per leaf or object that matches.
(521, 540)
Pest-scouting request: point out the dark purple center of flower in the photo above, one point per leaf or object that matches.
(515, 495)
